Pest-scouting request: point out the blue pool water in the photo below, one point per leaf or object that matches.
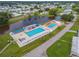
(34, 32)
(52, 25)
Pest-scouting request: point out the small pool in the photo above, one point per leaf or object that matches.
(35, 31)
(51, 25)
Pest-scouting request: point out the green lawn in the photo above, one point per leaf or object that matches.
(16, 19)
(62, 47)
(76, 25)
(4, 40)
(14, 50)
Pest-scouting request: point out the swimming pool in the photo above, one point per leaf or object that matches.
(51, 25)
(35, 31)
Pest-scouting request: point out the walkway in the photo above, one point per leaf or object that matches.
(72, 31)
(6, 47)
(41, 50)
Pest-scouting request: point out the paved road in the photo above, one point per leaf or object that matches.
(41, 50)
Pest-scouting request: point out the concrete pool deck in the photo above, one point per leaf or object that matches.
(23, 38)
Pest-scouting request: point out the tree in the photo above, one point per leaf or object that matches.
(31, 9)
(68, 17)
(40, 11)
(36, 14)
(36, 7)
(4, 17)
(76, 8)
(46, 9)
(54, 11)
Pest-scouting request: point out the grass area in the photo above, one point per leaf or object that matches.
(16, 19)
(62, 47)
(76, 25)
(15, 50)
(4, 40)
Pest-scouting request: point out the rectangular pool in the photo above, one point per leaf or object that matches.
(35, 31)
(51, 25)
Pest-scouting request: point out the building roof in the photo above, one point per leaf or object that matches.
(75, 45)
